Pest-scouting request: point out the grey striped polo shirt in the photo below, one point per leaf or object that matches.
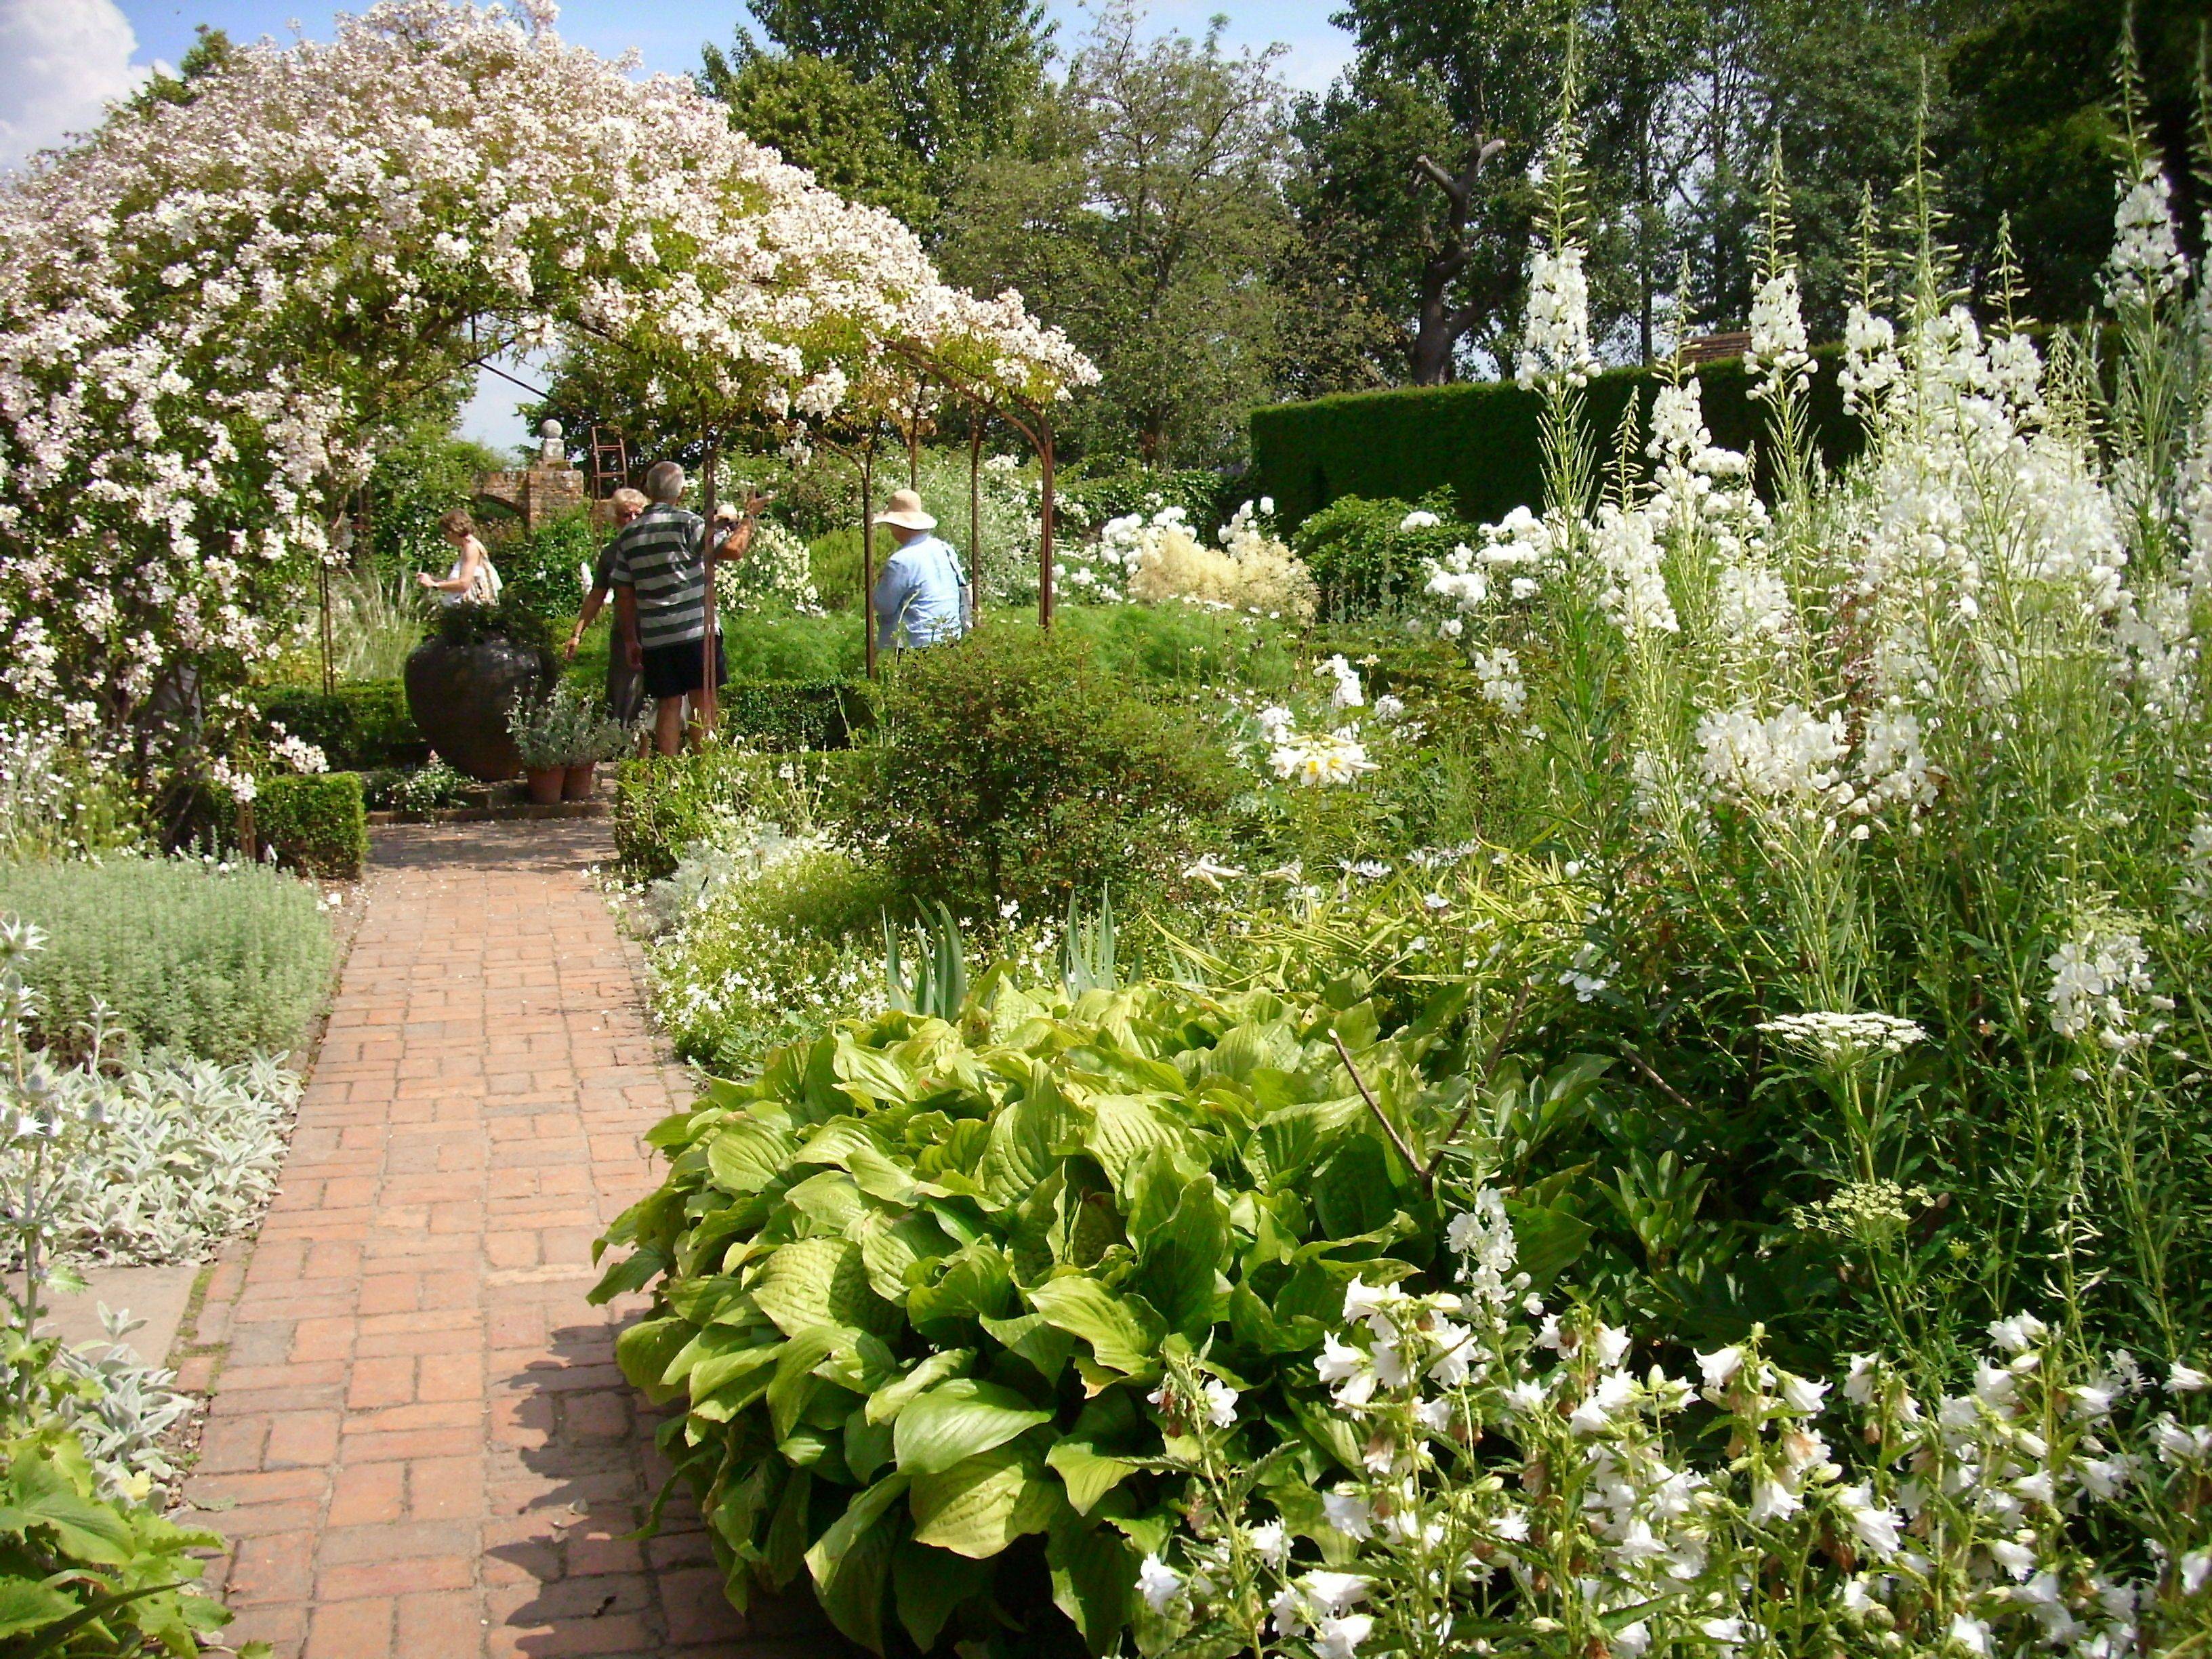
(659, 555)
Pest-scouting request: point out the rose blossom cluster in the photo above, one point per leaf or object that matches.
(212, 311)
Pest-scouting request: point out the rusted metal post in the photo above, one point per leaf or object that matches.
(976, 521)
(707, 698)
(323, 581)
(868, 549)
(1044, 522)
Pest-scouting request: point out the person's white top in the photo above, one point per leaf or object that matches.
(484, 590)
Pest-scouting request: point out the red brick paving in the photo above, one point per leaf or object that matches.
(415, 1415)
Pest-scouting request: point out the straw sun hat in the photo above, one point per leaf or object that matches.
(905, 511)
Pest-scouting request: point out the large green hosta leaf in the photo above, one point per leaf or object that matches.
(852, 1558)
(958, 1419)
(820, 1281)
(982, 1504)
(1124, 1336)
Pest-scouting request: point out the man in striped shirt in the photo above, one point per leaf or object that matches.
(657, 570)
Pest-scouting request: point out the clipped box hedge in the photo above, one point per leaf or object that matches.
(361, 726)
(1484, 441)
(317, 822)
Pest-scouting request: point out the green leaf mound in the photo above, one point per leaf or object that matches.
(914, 1282)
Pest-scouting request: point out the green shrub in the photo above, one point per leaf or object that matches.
(916, 1282)
(317, 822)
(220, 962)
(1182, 645)
(359, 726)
(834, 559)
(768, 952)
(1364, 557)
(543, 569)
(783, 714)
(1483, 442)
(1014, 768)
(1203, 497)
(783, 645)
(663, 803)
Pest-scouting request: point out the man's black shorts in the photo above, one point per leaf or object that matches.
(672, 670)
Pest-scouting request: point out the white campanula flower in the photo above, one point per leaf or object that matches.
(2019, 1332)
(1771, 1500)
(1348, 1370)
(1395, 1368)
(1220, 1404)
(1340, 1638)
(2016, 1558)
(2187, 1379)
(1349, 1514)
(1389, 709)
(1720, 1367)
(1159, 1583)
(1270, 1543)
(1435, 1415)
(1969, 1633)
(1803, 1395)
(1875, 1526)
(1613, 1391)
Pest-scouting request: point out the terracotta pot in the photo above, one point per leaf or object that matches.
(545, 783)
(460, 695)
(579, 784)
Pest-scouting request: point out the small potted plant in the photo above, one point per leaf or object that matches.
(603, 738)
(549, 732)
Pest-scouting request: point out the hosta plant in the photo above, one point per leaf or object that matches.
(914, 1282)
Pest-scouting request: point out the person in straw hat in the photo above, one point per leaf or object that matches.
(921, 597)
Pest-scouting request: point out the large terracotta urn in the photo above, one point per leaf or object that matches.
(460, 693)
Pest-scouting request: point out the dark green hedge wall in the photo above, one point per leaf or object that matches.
(1483, 440)
(317, 822)
(361, 726)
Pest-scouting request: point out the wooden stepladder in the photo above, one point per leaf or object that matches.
(610, 462)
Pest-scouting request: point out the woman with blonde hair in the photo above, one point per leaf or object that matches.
(471, 580)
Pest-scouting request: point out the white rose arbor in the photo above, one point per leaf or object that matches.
(213, 311)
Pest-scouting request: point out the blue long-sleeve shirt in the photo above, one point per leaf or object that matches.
(921, 595)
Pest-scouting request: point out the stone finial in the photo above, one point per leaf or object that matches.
(551, 450)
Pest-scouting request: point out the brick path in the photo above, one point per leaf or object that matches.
(416, 1415)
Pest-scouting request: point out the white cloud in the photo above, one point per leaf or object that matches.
(61, 62)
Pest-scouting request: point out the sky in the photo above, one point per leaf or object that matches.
(61, 62)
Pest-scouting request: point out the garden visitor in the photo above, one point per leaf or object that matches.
(625, 686)
(657, 569)
(472, 581)
(922, 593)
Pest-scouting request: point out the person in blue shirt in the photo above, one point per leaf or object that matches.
(921, 597)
